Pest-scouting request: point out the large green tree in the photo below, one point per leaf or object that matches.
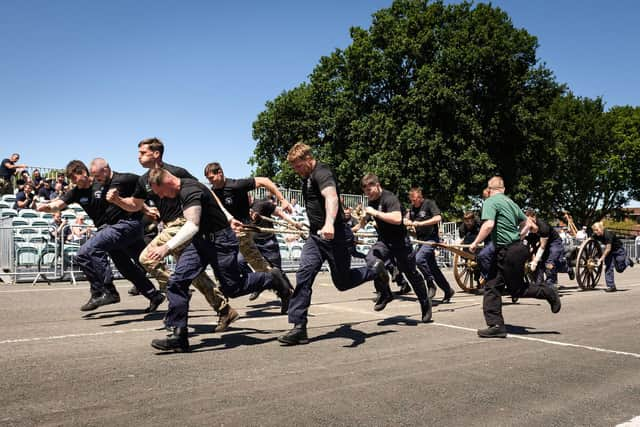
(444, 96)
(435, 95)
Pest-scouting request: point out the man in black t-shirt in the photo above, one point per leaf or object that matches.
(424, 216)
(613, 256)
(549, 259)
(119, 233)
(234, 195)
(329, 240)
(169, 212)
(393, 242)
(8, 169)
(212, 242)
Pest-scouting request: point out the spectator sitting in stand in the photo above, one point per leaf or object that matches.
(24, 198)
(61, 179)
(297, 209)
(80, 232)
(57, 192)
(37, 179)
(58, 231)
(44, 192)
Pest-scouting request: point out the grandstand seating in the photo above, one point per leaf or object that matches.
(28, 213)
(27, 256)
(8, 213)
(20, 222)
(295, 251)
(39, 223)
(5, 205)
(8, 198)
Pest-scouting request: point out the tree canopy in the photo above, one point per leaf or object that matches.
(444, 96)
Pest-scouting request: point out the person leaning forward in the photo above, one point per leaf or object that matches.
(502, 218)
(234, 195)
(150, 152)
(119, 233)
(330, 240)
(212, 242)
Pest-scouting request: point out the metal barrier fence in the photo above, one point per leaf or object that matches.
(30, 253)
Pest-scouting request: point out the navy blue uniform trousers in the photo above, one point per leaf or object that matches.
(337, 253)
(428, 266)
(401, 254)
(220, 251)
(123, 242)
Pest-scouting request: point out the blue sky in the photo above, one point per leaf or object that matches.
(81, 79)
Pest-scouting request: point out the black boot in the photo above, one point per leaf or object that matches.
(283, 288)
(426, 308)
(154, 302)
(431, 288)
(254, 295)
(447, 295)
(176, 341)
(381, 283)
(92, 304)
(495, 331)
(297, 335)
(554, 299)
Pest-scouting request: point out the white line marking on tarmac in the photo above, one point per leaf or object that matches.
(634, 422)
(559, 343)
(116, 332)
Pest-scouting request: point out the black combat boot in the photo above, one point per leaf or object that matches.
(426, 309)
(431, 287)
(297, 335)
(176, 341)
(154, 302)
(283, 288)
(381, 283)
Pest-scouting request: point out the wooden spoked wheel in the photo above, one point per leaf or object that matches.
(465, 272)
(588, 270)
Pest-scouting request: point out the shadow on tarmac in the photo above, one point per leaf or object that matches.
(527, 330)
(347, 331)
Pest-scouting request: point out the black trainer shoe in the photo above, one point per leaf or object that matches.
(176, 341)
(431, 288)
(448, 295)
(572, 273)
(495, 331)
(226, 317)
(630, 262)
(426, 309)
(133, 291)
(611, 289)
(92, 304)
(554, 300)
(154, 302)
(297, 335)
(254, 295)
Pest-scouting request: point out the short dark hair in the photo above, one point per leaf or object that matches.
(530, 212)
(154, 145)
(213, 167)
(156, 176)
(75, 167)
(469, 215)
(369, 178)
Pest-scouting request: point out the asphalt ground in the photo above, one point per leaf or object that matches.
(578, 367)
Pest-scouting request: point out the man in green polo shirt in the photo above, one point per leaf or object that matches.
(503, 219)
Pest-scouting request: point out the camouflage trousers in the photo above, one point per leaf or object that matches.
(202, 283)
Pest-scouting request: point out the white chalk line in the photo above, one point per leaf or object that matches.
(634, 422)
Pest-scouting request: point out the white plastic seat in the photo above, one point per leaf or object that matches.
(28, 213)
